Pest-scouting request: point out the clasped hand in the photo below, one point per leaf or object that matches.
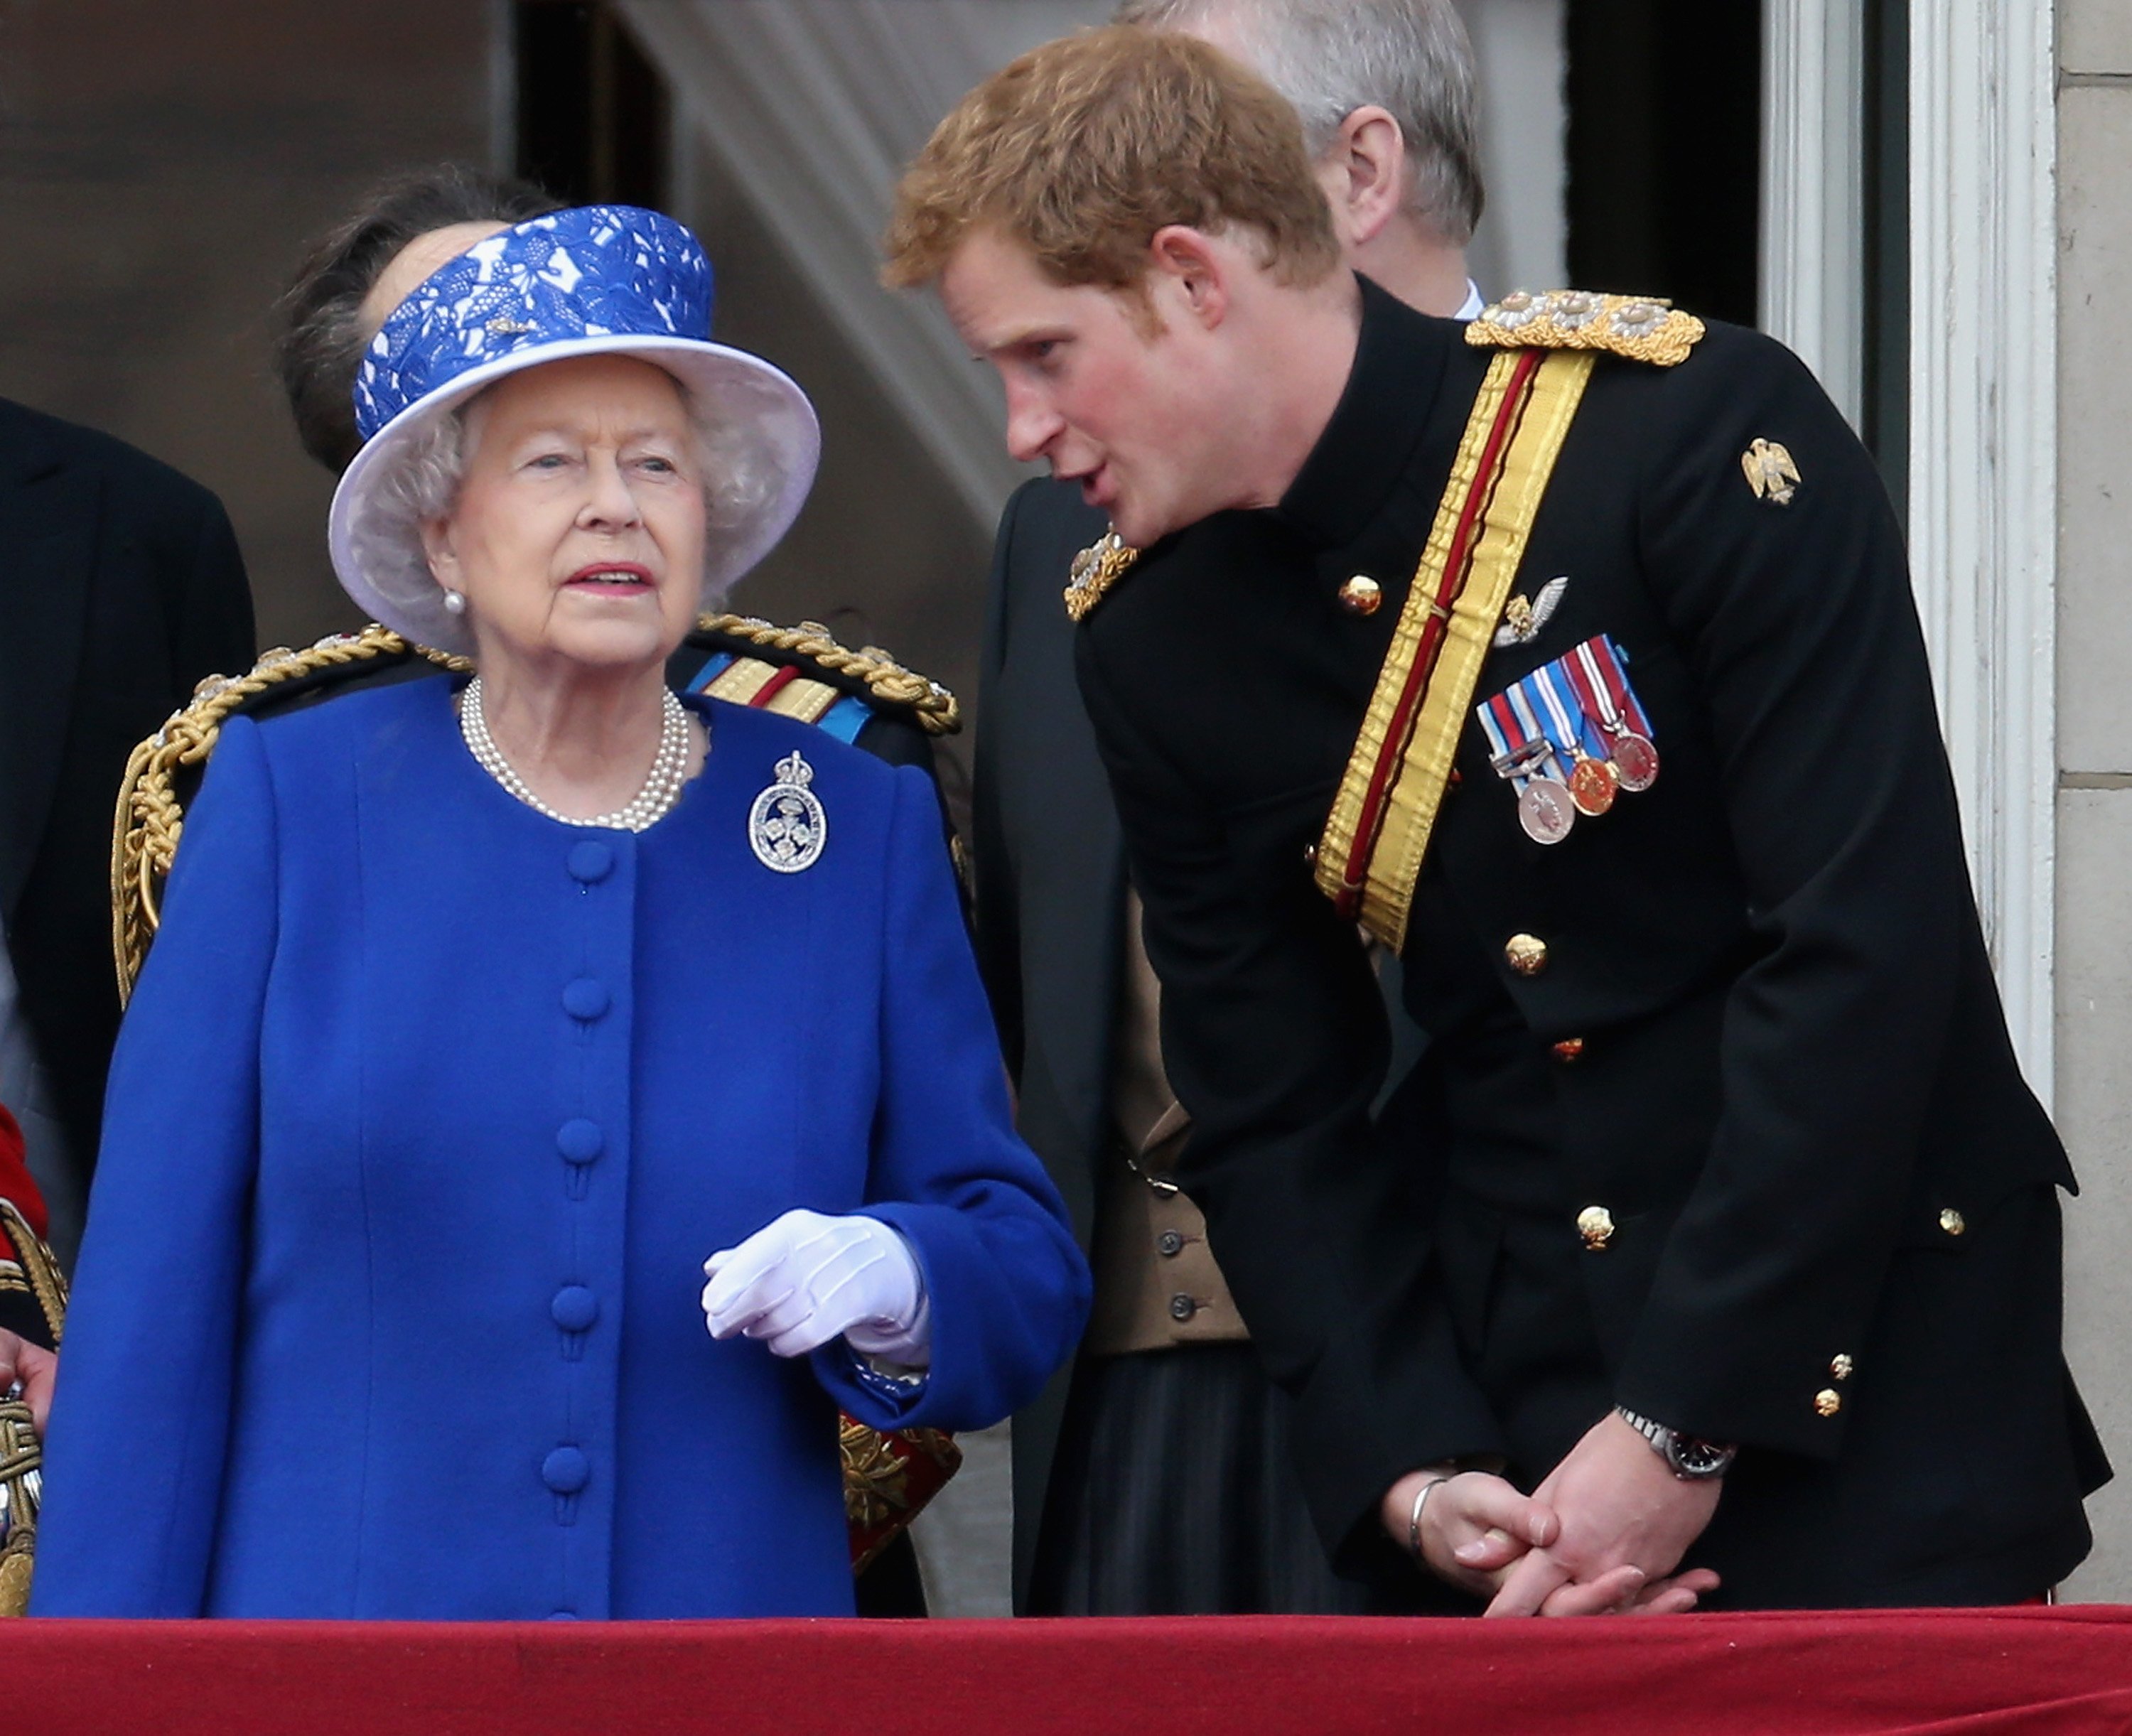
(1604, 1534)
(35, 1369)
(805, 1278)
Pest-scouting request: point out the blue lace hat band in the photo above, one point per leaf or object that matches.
(596, 271)
(595, 280)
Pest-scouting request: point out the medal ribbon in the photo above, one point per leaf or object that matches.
(1521, 697)
(1582, 669)
(1514, 754)
(1612, 671)
(1568, 730)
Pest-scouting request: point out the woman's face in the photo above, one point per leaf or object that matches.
(578, 532)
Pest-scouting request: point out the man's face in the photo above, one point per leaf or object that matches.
(1133, 416)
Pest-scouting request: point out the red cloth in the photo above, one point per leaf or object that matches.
(2066, 1670)
(15, 1183)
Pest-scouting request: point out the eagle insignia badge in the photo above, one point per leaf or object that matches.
(1770, 471)
(787, 827)
(1523, 617)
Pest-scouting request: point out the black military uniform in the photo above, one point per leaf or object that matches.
(1718, 1117)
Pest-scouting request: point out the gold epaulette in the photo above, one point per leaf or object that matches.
(1095, 568)
(810, 647)
(144, 840)
(1642, 327)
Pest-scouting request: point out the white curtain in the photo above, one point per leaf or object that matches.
(816, 106)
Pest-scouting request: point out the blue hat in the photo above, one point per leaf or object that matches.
(600, 279)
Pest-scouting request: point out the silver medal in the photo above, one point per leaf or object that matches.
(787, 827)
(1547, 810)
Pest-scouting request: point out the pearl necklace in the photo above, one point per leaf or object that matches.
(662, 784)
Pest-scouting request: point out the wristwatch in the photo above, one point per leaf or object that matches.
(1689, 1457)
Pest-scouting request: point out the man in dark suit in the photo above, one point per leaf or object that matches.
(1717, 1207)
(1161, 1484)
(122, 588)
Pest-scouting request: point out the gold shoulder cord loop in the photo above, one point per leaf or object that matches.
(149, 819)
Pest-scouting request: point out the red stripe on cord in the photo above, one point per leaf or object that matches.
(1375, 801)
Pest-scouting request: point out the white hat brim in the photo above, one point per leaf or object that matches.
(759, 403)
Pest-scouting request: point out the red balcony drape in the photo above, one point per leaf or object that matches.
(2065, 1671)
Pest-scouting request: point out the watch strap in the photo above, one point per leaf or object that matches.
(1689, 1457)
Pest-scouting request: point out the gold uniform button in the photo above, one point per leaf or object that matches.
(1362, 595)
(1952, 1222)
(1827, 1402)
(1595, 1225)
(1526, 954)
(1841, 1366)
(1569, 1049)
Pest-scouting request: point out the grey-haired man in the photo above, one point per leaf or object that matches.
(1161, 1483)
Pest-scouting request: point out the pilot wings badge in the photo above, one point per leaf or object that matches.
(787, 827)
(1522, 619)
(1770, 471)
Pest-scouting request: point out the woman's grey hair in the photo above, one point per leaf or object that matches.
(1410, 57)
(421, 485)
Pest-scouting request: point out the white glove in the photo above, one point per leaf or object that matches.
(800, 1281)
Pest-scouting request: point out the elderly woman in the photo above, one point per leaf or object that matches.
(481, 1014)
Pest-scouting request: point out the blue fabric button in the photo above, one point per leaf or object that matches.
(566, 1470)
(580, 1141)
(575, 1308)
(564, 1615)
(586, 999)
(591, 861)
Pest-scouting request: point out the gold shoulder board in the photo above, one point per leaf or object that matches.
(1642, 327)
(1095, 568)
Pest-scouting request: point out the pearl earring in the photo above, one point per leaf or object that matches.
(455, 602)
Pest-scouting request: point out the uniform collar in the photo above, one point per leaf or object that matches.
(1369, 443)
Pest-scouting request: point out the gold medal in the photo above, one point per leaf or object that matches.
(1593, 785)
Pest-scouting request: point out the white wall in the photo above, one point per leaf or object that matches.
(2094, 832)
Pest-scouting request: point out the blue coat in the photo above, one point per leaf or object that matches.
(426, 1113)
